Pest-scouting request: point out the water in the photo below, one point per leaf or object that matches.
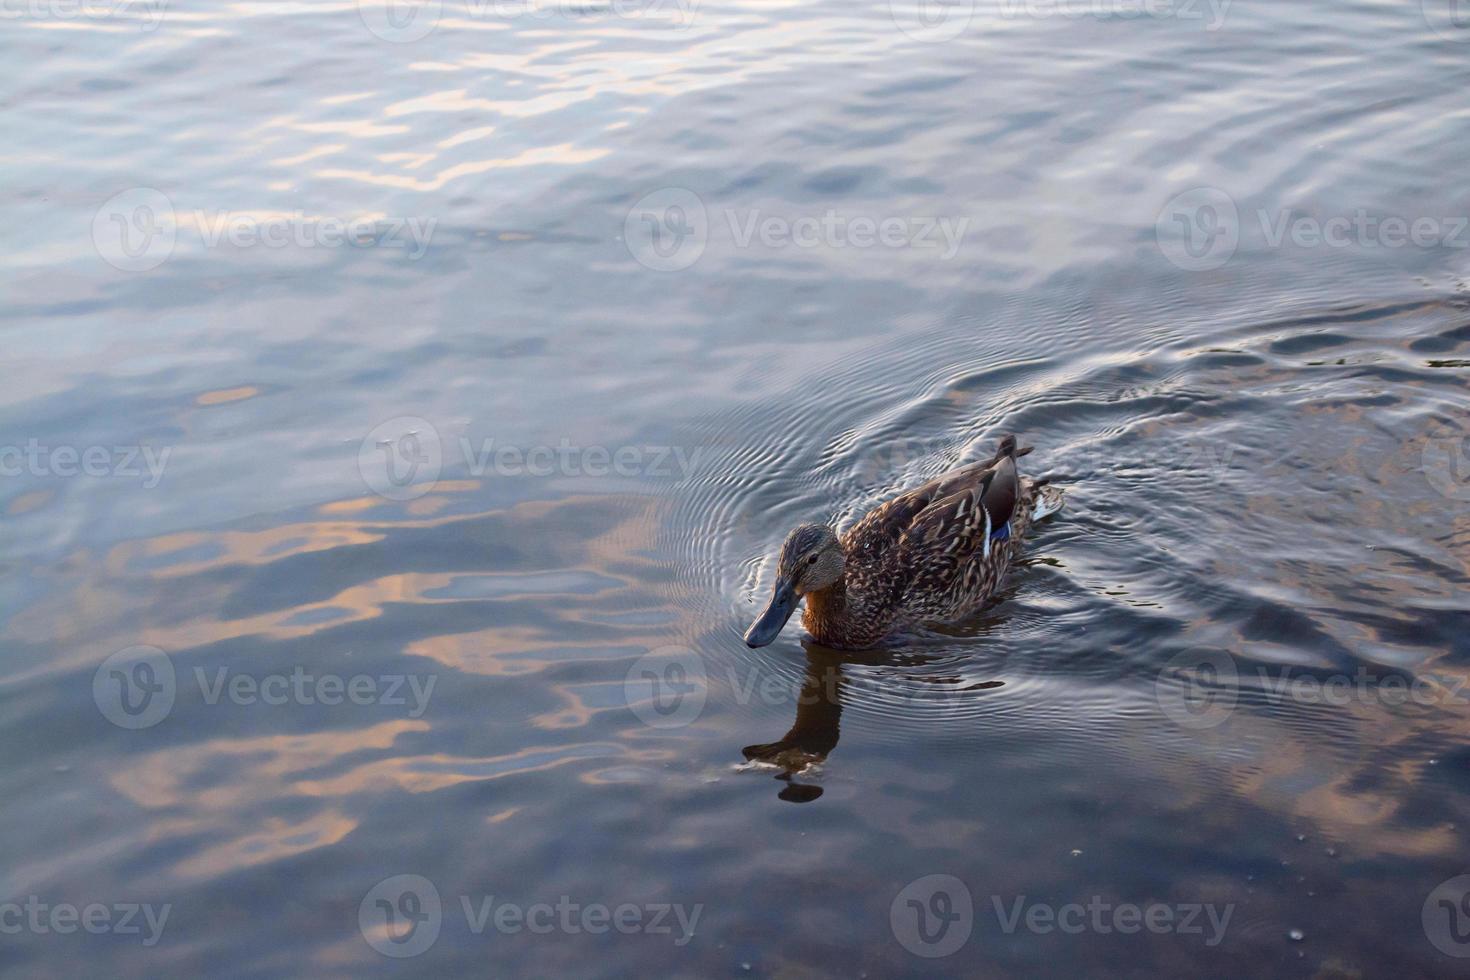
(707, 273)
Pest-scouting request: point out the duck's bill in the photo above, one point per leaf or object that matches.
(768, 626)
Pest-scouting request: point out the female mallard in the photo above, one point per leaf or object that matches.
(931, 555)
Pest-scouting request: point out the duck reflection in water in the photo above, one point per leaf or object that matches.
(814, 733)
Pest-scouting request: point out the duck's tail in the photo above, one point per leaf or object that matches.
(1008, 447)
(1048, 500)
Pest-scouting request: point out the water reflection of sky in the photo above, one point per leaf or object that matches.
(1259, 454)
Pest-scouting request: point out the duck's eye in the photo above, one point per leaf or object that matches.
(812, 560)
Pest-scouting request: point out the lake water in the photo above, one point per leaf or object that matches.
(403, 403)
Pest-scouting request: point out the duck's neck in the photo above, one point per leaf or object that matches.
(826, 610)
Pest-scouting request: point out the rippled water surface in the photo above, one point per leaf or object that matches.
(402, 406)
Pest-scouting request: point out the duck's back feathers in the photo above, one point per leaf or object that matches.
(937, 551)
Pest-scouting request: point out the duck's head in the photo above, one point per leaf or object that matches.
(811, 560)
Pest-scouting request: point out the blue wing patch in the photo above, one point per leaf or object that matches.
(1002, 533)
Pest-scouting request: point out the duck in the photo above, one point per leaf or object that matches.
(932, 555)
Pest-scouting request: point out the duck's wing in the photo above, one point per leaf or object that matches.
(975, 514)
(1000, 499)
(881, 528)
(952, 515)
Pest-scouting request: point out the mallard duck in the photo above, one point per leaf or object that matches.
(931, 555)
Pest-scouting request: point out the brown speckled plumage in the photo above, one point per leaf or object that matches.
(919, 558)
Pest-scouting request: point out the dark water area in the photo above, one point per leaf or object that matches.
(403, 407)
